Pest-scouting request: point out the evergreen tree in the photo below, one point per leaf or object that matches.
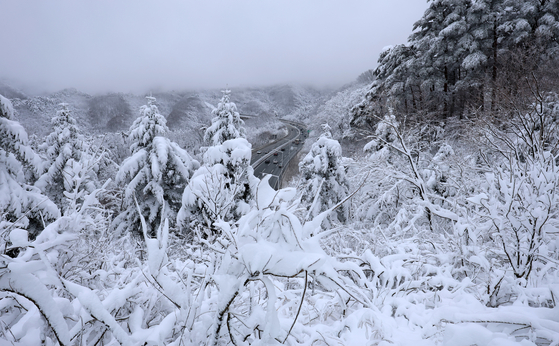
(64, 148)
(227, 123)
(440, 37)
(155, 175)
(466, 53)
(532, 24)
(324, 182)
(21, 205)
(394, 74)
(223, 188)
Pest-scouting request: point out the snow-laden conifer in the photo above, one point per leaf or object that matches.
(155, 175)
(223, 188)
(19, 202)
(324, 183)
(63, 148)
(226, 124)
(465, 53)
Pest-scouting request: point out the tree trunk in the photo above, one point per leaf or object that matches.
(494, 72)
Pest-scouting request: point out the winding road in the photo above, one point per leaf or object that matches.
(274, 157)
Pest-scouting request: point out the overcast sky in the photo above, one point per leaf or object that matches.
(135, 45)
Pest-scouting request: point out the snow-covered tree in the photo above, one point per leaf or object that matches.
(226, 124)
(531, 24)
(21, 205)
(222, 189)
(324, 183)
(483, 271)
(464, 53)
(63, 148)
(155, 175)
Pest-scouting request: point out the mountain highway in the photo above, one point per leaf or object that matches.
(274, 157)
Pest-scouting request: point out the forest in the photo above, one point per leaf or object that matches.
(440, 228)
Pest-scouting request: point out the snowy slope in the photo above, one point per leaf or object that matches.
(183, 110)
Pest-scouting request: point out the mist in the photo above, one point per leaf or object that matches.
(134, 46)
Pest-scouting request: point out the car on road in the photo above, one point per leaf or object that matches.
(259, 152)
(267, 161)
(280, 165)
(282, 149)
(276, 162)
(276, 153)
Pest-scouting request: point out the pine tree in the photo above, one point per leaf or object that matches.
(222, 188)
(532, 24)
(21, 205)
(155, 175)
(465, 53)
(324, 183)
(227, 123)
(395, 75)
(64, 148)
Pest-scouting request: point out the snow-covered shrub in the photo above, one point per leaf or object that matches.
(410, 195)
(271, 275)
(385, 133)
(401, 176)
(37, 306)
(231, 291)
(391, 181)
(155, 175)
(323, 179)
(21, 205)
(442, 171)
(519, 202)
(269, 279)
(519, 206)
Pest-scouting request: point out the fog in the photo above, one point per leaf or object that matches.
(133, 45)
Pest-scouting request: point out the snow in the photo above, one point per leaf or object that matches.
(6, 108)
(94, 306)
(31, 288)
(474, 60)
(18, 237)
(387, 48)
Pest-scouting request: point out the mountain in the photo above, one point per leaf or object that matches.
(10, 92)
(188, 110)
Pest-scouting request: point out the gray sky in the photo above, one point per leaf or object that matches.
(135, 45)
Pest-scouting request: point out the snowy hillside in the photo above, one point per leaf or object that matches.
(183, 110)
